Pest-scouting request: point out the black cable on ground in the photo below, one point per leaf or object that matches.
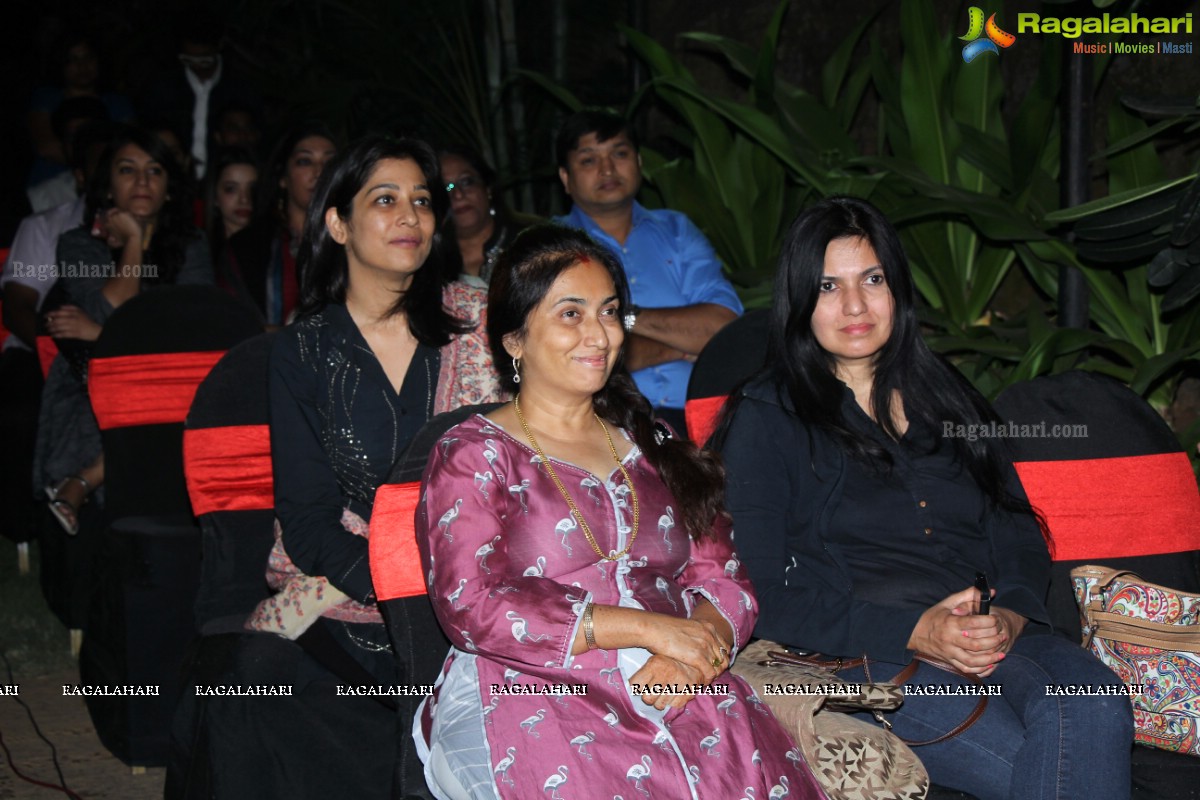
(62, 787)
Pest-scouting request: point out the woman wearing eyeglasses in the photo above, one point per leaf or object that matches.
(482, 226)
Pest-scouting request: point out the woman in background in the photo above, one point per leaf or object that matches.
(138, 219)
(259, 263)
(78, 66)
(229, 191)
(482, 227)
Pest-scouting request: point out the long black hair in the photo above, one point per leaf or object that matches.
(324, 270)
(524, 274)
(272, 199)
(224, 157)
(934, 392)
(173, 229)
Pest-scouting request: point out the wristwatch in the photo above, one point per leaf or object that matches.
(631, 316)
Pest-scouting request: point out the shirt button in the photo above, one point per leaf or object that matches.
(922, 504)
(928, 531)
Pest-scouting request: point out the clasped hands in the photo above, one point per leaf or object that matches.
(684, 651)
(955, 632)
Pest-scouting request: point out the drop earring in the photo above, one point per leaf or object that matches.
(516, 370)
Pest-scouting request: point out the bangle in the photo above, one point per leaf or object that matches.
(589, 633)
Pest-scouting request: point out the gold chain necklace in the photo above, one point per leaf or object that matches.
(587, 532)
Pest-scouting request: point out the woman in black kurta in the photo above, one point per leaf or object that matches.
(862, 522)
(382, 345)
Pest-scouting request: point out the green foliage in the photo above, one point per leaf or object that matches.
(976, 201)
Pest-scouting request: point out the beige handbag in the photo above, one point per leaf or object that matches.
(852, 759)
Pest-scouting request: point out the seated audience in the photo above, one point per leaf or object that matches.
(229, 192)
(30, 272)
(137, 235)
(382, 345)
(259, 263)
(863, 526)
(235, 124)
(681, 297)
(187, 94)
(569, 541)
(50, 181)
(479, 223)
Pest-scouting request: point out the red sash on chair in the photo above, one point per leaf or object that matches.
(146, 389)
(47, 351)
(228, 468)
(395, 560)
(702, 414)
(1104, 508)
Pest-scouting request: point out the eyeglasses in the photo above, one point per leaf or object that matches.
(464, 184)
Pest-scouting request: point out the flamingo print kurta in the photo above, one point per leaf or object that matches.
(510, 573)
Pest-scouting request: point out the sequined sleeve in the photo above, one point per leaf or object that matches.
(308, 501)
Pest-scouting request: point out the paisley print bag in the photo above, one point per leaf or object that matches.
(852, 759)
(1150, 636)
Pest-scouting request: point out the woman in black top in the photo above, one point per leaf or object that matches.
(382, 345)
(863, 521)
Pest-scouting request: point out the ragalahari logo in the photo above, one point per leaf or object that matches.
(996, 38)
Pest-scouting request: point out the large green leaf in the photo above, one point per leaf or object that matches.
(833, 73)
(763, 89)
(1032, 140)
(1115, 200)
(1155, 368)
(741, 56)
(1135, 166)
(924, 72)
(552, 87)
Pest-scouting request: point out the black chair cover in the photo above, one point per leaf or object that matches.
(235, 543)
(148, 569)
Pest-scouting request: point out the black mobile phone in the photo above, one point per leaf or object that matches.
(985, 597)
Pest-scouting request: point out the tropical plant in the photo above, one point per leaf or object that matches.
(1137, 249)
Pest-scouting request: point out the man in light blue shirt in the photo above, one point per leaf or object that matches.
(680, 295)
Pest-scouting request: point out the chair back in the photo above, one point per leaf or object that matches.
(153, 353)
(733, 355)
(227, 465)
(399, 583)
(395, 559)
(1111, 480)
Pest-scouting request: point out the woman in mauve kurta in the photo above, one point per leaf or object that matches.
(514, 580)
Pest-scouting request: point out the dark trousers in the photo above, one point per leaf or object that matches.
(20, 399)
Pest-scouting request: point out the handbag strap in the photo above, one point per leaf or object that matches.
(981, 706)
(784, 658)
(1092, 604)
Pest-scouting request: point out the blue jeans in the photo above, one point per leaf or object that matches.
(1029, 744)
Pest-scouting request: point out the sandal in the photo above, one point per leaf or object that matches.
(59, 507)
